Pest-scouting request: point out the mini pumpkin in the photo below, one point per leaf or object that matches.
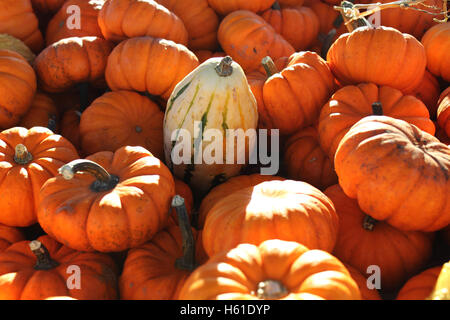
(428, 92)
(436, 42)
(443, 111)
(224, 7)
(420, 286)
(9, 235)
(43, 112)
(70, 127)
(366, 292)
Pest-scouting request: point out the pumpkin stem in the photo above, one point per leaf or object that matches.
(21, 155)
(377, 109)
(187, 261)
(104, 181)
(276, 6)
(351, 16)
(269, 66)
(43, 259)
(224, 68)
(441, 290)
(271, 289)
(369, 223)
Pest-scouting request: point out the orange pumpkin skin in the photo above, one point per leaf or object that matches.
(288, 21)
(164, 64)
(70, 61)
(18, 19)
(9, 235)
(428, 92)
(293, 97)
(395, 59)
(306, 161)
(297, 272)
(144, 191)
(59, 27)
(122, 19)
(22, 177)
(286, 210)
(228, 187)
(122, 118)
(183, 190)
(43, 112)
(224, 7)
(98, 279)
(204, 55)
(437, 43)
(70, 127)
(389, 159)
(361, 281)
(200, 20)
(443, 112)
(47, 6)
(17, 87)
(248, 38)
(351, 103)
(420, 286)
(398, 254)
(149, 271)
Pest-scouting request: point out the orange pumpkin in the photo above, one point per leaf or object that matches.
(110, 201)
(224, 7)
(397, 172)
(29, 158)
(149, 64)
(122, 118)
(306, 161)
(286, 210)
(47, 6)
(70, 61)
(275, 269)
(428, 92)
(43, 112)
(9, 235)
(420, 286)
(436, 42)
(17, 87)
(123, 19)
(352, 103)
(361, 281)
(43, 268)
(204, 55)
(248, 38)
(364, 242)
(443, 112)
(70, 127)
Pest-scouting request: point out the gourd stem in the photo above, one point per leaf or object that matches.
(276, 6)
(269, 66)
(21, 154)
(271, 289)
(377, 109)
(43, 259)
(187, 261)
(224, 68)
(349, 12)
(104, 181)
(441, 290)
(369, 223)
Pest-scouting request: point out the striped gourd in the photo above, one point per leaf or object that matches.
(215, 95)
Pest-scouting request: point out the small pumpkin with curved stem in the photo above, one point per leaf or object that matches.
(37, 270)
(352, 103)
(390, 159)
(28, 158)
(443, 111)
(362, 242)
(110, 201)
(273, 270)
(9, 235)
(43, 112)
(122, 118)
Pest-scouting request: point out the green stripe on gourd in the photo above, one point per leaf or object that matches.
(179, 93)
(224, 114)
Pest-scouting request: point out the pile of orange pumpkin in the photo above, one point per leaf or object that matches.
(363, 114)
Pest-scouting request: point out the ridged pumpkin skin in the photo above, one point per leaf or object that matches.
(122, 19)
(200, 20)
(58, 28)
(20, 281)
(149, 272)
(43, 112)
(9, 235)
(286, 210)
(397, 172)
(70, 127)
(394, 59)
(361, 281)
(122, 118)
(350, 104)
(428, 92)
(437, 47)
(149, 64)
(224, 7)
(21, 178)
(219, 103)
(47, 6)
(8, 42)
(398, 254)
(248, 38)
(305, 160)
(244, 272)
(443, 112)
(18, 19)
(17, 88)
(420, 286)
(127, 215)
(70, 61)
(228, 187)
(288, 21)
